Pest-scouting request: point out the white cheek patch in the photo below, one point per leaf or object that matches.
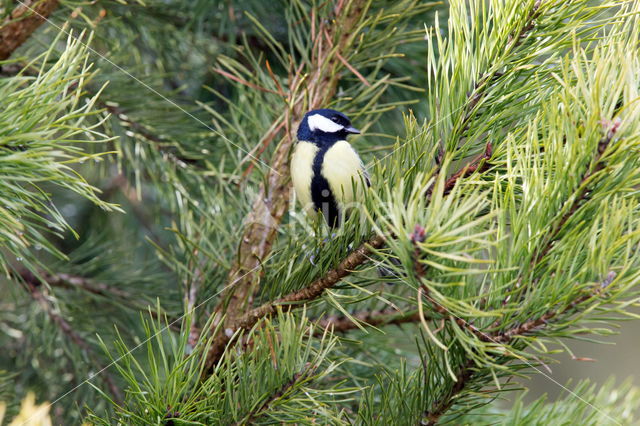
(319, 122)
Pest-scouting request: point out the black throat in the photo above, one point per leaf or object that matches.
(321, 195)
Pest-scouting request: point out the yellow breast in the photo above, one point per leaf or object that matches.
(302, 172)
(343, 169)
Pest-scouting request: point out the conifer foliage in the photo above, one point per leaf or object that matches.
(155, 266)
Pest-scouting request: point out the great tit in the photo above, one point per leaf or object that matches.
(327, 173)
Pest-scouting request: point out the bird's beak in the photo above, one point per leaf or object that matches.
(352, 129)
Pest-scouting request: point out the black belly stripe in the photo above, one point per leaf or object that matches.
(321, 194)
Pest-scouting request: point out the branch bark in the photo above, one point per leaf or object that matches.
(309, 293)
(65, 327)
(70, 281)
(343, 324)
(539, 322)
(260, 226)
(23, 21)
(272, 200)
(279, 393)
(580, 195)
(466, 372)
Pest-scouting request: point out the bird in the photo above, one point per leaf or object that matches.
(326, 171)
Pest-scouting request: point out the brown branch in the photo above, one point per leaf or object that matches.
(162, 144)
(260, 226)
(139, 128)
(479, 164)
(342, 324)
(22, 22)
(441, 406)
(63, 280)
(582, 192)
(73, 335)
(70, 281)
(465, 373)
(309, 293)
(279, 393)
(541, 321)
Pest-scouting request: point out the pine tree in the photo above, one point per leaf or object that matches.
(156, 269)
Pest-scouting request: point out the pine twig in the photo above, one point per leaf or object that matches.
(279, 393)
(465, 373)
(159, 142)
(479, 164)
(23, 21)
(307, 294)
(440, 407)
(418, 236)
(73, 335)
(70, 281)
(260, 229)
(581, 194)
(541, 321)
(342, 324)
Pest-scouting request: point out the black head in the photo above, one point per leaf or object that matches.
(324, 126)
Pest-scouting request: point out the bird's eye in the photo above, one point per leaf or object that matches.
(335, 119)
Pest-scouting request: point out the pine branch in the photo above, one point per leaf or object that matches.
(581, 194)
(139, 128)
(73, 335)
(23, 21)
(279, 393)
(541, 321)
(342, 324)
(466, 372)
(440, 407)
(479, 164)
(272, 200)
(159, 142)
(307, 294)
(70, 281)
